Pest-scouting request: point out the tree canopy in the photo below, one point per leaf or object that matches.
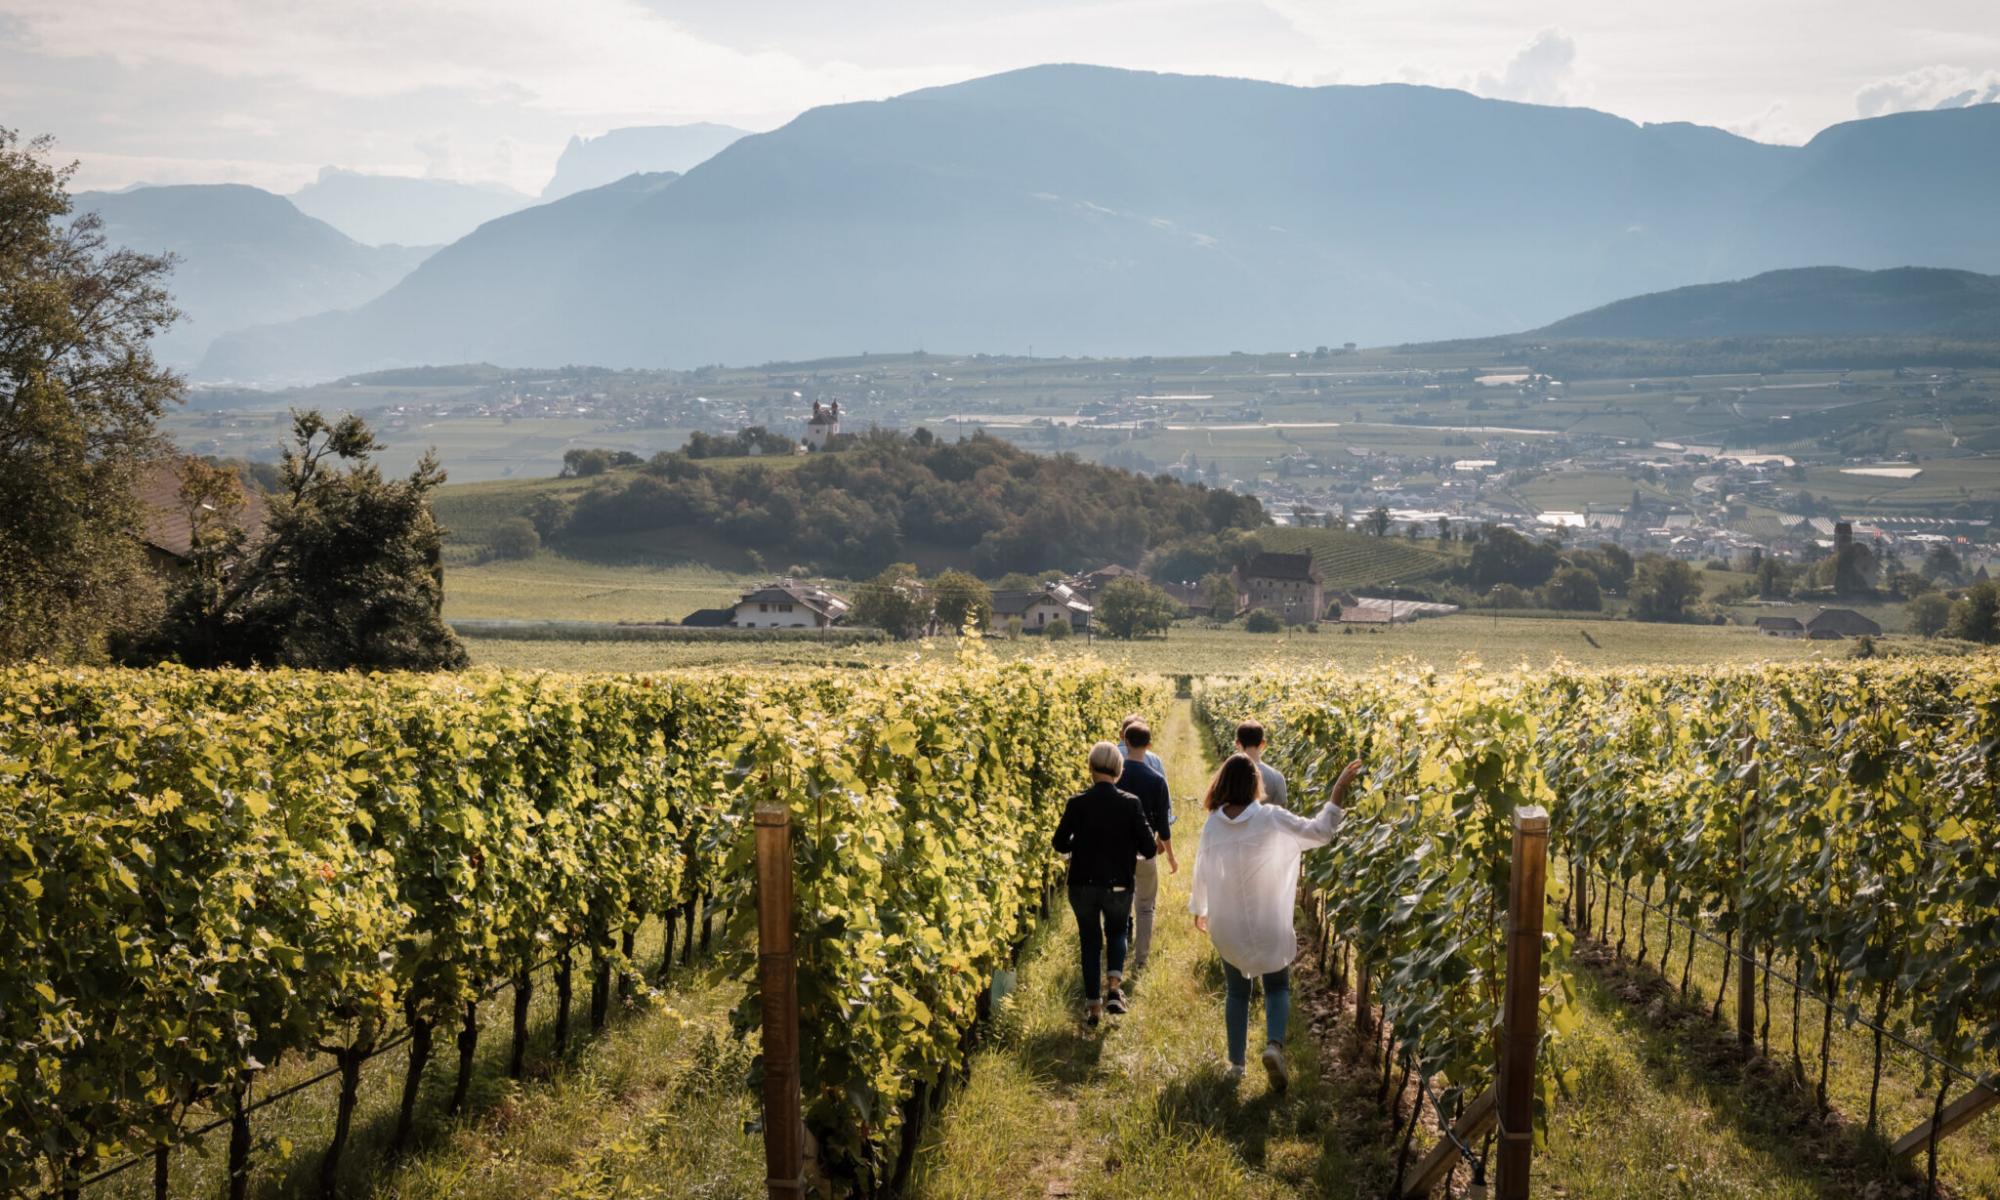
(347, 573)
(884, 494)
(80, 397)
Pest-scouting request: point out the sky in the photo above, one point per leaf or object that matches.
(268, 91)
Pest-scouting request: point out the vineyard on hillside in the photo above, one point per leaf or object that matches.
(1841, 817)
(205, 874)
(1349, 559)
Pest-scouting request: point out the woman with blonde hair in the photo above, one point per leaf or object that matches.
(1244, 893)
(1105, 835)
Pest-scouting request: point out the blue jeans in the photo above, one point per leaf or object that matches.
(1102, 916)
(1236, 1008)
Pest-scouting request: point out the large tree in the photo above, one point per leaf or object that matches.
(347, 572)
(1663, 588)
(80, 400)
(1130, 607)
(958, 597)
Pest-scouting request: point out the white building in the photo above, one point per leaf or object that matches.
(824, 425)
(788, 604)
(1052, 604)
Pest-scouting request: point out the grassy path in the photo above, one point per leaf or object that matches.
(1139, 1108)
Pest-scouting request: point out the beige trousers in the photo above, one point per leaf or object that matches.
(1145, 897)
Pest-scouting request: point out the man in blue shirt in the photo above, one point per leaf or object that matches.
(1150, 786)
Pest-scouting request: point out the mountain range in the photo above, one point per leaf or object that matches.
(1805, 302)
(245, 256)
(1086, 210)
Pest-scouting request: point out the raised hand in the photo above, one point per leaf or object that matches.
(1346, 777)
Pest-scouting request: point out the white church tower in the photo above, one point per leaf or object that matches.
(824, 425)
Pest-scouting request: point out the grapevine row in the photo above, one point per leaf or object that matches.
(204, 873)
(1843, 815)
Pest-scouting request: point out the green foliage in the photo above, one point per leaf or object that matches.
(1194, 557)
(203, 873)
(1130, 607)
(1504, 556)
(1930, 613)
(895, 602)
(1059, 631)
(516, 538)
(1416, 878)
(1262, 620)
(1218, 591)
(1976, 617)
(752, 439)
(958, 598)
(348, 572)
(1663, 588)
(1573, 589)
(883, 494)
(80, 396)
(1843, 812)
(582, 463)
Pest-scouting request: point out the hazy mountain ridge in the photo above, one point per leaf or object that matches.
(246, 257)
(379, 210)
(1090, 210)
(637, 150)
(1804, 302)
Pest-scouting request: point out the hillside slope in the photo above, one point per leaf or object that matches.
(639, 150)
(1807, 302)
(1090, 210)
(246, 257)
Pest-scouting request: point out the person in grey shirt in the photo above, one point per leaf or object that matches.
(1250, 743)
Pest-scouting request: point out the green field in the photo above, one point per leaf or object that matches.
(1355, 560)
(1499, 643)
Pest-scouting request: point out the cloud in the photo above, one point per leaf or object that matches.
(1774, 125)
(581, 56)
(1927, 88)
(1542, 73)
(256, 126)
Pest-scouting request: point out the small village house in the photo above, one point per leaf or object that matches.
(1784, 627)
(784, 604)
(1040, 608)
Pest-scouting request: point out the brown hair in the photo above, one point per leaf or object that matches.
(1237, 782)
(1138, 736)
(1250, 733)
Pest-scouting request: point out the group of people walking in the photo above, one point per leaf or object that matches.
(1244, 890)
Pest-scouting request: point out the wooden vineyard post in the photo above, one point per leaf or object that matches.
(1746, 975)
(1958, 1114)
(1520, 1011)
(777, 985)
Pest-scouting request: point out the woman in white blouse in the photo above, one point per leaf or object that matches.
(1245, 889)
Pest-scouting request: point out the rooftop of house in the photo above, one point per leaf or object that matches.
(168, 528)
(1268, 565)
(787, 591)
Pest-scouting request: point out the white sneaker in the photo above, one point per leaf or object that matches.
(1274, 1066)
(1233, 1077)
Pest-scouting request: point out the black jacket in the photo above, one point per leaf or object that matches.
(1104, 832)
(1154, 799)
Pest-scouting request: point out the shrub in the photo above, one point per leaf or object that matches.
(515, 538)
(1263, 620)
